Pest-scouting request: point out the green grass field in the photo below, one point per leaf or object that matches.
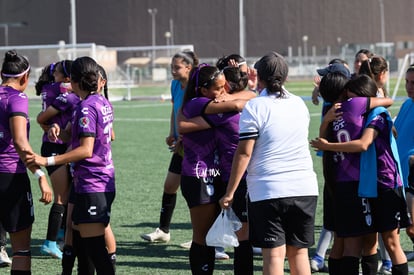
(141, 160)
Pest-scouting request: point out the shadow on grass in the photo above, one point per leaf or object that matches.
(182, 226)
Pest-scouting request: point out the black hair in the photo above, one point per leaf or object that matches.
(85, 72)
(337, 60)
(410, 68)
(188, 57)
(14, 65)
(102, 73)
(46, 77)
(332, 86)
(236, 79)
(273, 70)
(367, 52)
(373, 67)
(202, 76)
(362, 85)
(64, 67)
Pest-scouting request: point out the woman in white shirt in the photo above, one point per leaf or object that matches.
(282, 185)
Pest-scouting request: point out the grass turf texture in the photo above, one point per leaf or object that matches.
(141, 161)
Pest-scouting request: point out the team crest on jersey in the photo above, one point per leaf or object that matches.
(84, 122)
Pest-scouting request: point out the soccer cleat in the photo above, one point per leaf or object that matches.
(317, 264)
(385, 270)
(158, 236)
(4, 258)
(50, 248)
(221, 255)
(186, 245)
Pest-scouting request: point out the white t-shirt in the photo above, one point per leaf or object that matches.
(281, 164)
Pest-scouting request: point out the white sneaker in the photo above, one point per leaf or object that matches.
(317, 266)
(221, 255)
(186, 245)
(4, 258)
(410, 256)
(385, 270)
(158, 236)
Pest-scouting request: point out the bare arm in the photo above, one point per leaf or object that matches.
(85, 150)
(354, 146)
(380, 101)
(45, 116)
(240, 161)
(55, 132)
(235, 105)
(23, 148)
(330, 116)
(170, 139)
(186, 125)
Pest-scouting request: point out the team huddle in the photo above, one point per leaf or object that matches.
(239, 139)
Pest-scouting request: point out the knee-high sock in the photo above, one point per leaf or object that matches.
(369, 264)
(55, 221)
(349, 265)
(243, 259)
(68, 259)
(324, 242)
(96, 251)
(400, 269)
(202, 259)
(334, 266)
(167, 210)
(85, 265)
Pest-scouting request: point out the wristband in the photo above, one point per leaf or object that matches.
(38, 173)
(50, 161)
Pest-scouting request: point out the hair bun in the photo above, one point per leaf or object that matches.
(10, 55)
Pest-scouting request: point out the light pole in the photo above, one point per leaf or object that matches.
(8, 25)
(167, 42)
(242, 39)
(305, 39)
(153, 13)
(339, 40)
(381, 6)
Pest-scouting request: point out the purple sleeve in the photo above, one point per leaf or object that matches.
(19, 105)
(195, 107)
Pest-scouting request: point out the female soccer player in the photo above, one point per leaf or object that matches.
(93, 168)
(16, 204)
(181, 65)
(365, 206)
(57, 107)
(281, 182)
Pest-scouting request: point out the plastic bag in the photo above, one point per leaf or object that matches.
(222, 232)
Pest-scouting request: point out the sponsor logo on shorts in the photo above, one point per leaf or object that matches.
(92, 210)
(204, 268)
(270, 239)
(210, 189)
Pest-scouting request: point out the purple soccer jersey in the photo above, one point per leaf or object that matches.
(49, 94)
(386, 166)
(93, 118)
(349, 127)
(200, 155)
(65, 103)
(227, 140)
(12, 103)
